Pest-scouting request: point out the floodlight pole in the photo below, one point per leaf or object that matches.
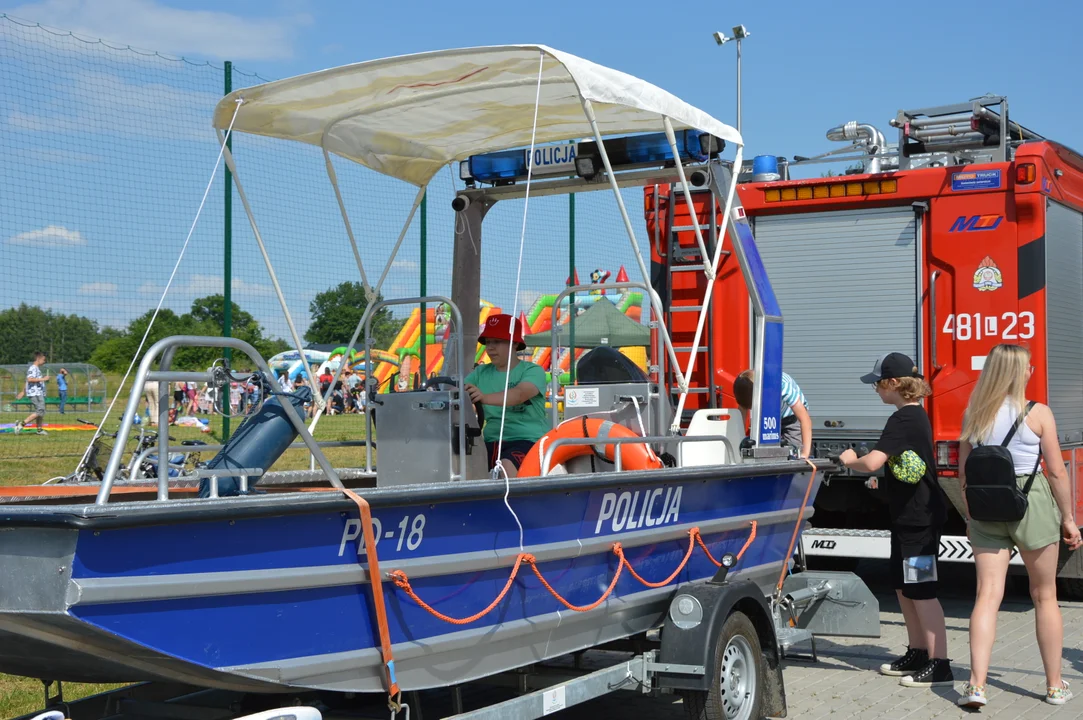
(738, 84)
(739, 34)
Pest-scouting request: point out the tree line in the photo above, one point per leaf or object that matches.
(73, 338)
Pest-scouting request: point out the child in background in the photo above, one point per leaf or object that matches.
(795, 427)
(918, 511)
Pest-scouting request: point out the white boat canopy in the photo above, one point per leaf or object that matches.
(409, 116)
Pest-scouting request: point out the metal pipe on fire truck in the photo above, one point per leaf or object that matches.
(853, 131)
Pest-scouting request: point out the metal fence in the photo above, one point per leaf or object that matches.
(105, 154)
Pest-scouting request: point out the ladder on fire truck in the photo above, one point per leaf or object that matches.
(684, 287)
(978, 130)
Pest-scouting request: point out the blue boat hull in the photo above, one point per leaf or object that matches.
(269, 593)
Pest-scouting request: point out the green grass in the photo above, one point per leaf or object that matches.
(30, 459)
(22, 696)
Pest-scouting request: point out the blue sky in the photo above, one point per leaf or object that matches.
(105, 153)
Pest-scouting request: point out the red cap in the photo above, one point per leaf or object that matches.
(502, 327)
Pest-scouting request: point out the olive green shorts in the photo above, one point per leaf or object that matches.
(1038, 528)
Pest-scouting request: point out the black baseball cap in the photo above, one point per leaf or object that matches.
(892, 365)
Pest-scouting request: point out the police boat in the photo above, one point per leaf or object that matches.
(426, 569)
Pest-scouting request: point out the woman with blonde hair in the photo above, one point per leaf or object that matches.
(997, 405)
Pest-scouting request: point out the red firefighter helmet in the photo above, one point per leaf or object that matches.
(503, 327)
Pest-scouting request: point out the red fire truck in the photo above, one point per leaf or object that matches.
(966, 234)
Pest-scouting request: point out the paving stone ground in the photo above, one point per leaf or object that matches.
(845, 683)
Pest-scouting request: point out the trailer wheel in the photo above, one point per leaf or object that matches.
(737, 689)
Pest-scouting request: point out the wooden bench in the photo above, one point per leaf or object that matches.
(72, 400)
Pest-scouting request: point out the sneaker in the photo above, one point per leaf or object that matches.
(1058, 696)
(936, 673)
(41, 432)
(911, 662)
(18, 427)
(973, 696)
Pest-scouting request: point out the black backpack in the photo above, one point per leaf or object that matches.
(992, 493)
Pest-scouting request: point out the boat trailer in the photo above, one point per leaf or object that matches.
(680, 657)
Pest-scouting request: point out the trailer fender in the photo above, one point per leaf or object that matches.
(691, 638)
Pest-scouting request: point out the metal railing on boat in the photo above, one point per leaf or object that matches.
(166, 348)
(215, 473)
(555, 395)
(136, 466)
(459, 356)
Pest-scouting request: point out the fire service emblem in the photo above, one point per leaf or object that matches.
(988, 277)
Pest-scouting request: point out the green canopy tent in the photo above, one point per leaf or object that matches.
(602, 324)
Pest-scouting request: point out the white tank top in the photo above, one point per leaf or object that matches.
(1024, 445)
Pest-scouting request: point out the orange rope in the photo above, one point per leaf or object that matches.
(584, 608)
(748, 543)
(718, 563)
(403, 582)
(692, 535)
(796, 528)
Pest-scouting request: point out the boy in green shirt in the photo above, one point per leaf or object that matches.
(523, 418)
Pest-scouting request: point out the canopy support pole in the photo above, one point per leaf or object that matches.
(708, 294)
(267, 260)
(672, 138)
(656, 302)
(333, 177)
(372, 293)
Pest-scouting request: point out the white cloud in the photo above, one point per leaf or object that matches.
(111, 104)
(212, 284)
(206, 284)
(52, 155)
(527, 298)
(98, 288)
(203, 285)
(405, 265)
(399, 290)
(50, 235)
(149, 24)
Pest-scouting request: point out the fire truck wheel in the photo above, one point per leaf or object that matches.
(737, 689)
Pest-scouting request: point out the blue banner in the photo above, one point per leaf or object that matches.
(770, 383)
(757, 272)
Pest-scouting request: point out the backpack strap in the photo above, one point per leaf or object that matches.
(1033, 473)
(1018, 422)
(1038, 462)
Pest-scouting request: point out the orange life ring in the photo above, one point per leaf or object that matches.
(633, 456)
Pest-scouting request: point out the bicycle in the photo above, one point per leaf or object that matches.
(91, 467)
(180, 463)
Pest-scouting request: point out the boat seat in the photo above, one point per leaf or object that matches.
(718, 422)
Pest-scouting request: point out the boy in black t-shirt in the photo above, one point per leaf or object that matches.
(918, 511)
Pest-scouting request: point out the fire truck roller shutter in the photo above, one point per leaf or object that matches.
(1064, 315)
(839, 276)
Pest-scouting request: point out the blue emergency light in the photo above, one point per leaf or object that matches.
(583, 159)
(494, 167)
